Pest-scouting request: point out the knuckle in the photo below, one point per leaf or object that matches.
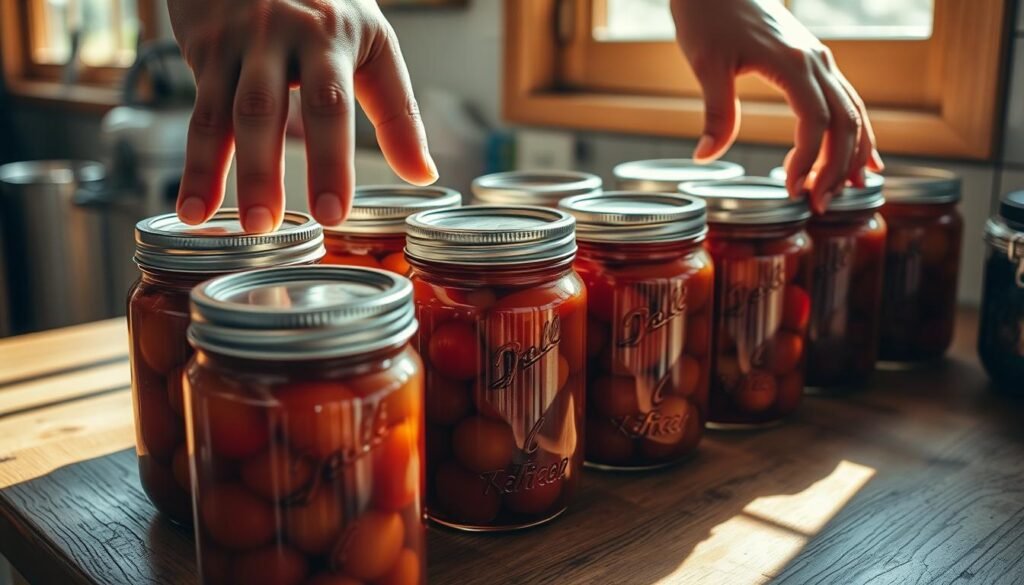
(410, 112)
(256, 105)
(702, 65)
(256, 177)
(326, 99)
(818, 117)
(207, 121)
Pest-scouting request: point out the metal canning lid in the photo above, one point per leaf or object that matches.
(164, 242)
(1005, 232)
(910, 184)
(545, 188)
(852, 198)
(664, 175)
(382, 209)
(636, 217)
(748, 200)
(302, 312)
(491, 235)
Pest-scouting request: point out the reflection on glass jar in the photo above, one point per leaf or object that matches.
(502, 317)
(543, 188)
(1001, 334)
(649, 285)
(846, 294)
(304, 405)
(762, 304)
(922, 263)
(373, 235)
(174, 257)
(664, 175)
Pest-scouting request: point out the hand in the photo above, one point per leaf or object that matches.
(726, 38)
(245, 54)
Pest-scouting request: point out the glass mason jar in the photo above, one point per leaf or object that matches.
(846, 295)
(543, 188)
(762, 305)
(649, 286)
(922, 263)
(373, 235)
(174, 257)
(665, 175)
(503, 319)
(304, 411)
(1001, 334)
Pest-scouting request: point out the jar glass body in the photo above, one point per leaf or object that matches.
(158, 318)
(1001, 326)
(307, 469)
(369, 250)
(648, 350)
(504, 391)
(922, 264)
(849, 252)
(762, 309)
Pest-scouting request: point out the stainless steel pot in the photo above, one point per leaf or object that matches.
(56, 265)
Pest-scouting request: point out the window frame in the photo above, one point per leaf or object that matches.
(557, 75)
(96, 87)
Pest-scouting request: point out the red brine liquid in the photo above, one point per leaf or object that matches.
(308, 472)
(762, 312)
(504, 393)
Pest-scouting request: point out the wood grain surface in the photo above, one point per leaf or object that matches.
(918, 478)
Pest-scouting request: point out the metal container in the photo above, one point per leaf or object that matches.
(57, 266)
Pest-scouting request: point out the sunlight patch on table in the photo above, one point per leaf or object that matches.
(807, 512)
(757, 544)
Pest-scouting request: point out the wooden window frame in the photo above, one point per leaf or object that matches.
(555, 74)
(96, 88)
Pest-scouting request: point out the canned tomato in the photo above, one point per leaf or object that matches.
(304, 424)
(502, 317)
(373, 235)
(1001, 335)
(922, 263)
(649, 287)
(173, 257)
(664, 175)
(762, 304)
(846, 295)
(544, 188)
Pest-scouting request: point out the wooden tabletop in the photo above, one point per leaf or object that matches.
(917, 479)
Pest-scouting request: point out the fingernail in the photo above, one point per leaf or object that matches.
(431, 165)
(703, 152)
(327, 209)
(877, 159)
(258, 220)
(798, 185)
(192, 210)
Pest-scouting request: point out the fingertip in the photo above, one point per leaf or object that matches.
(875, 162)
(707, 150)
(192, 210)
(328, 209)
(259, 220)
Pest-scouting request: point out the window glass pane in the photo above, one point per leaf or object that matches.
(866, 19)
(108, 31)
(649, 20)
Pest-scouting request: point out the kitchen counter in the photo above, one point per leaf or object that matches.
(917, 478)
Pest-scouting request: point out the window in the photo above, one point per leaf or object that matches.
(634, 20)
(613, 65)
(97, 38)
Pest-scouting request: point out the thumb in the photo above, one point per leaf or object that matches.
(721, 114)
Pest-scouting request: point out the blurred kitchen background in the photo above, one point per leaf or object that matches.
(493, 95)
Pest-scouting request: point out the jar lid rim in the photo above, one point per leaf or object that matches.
(164, 242)
(302, 312)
